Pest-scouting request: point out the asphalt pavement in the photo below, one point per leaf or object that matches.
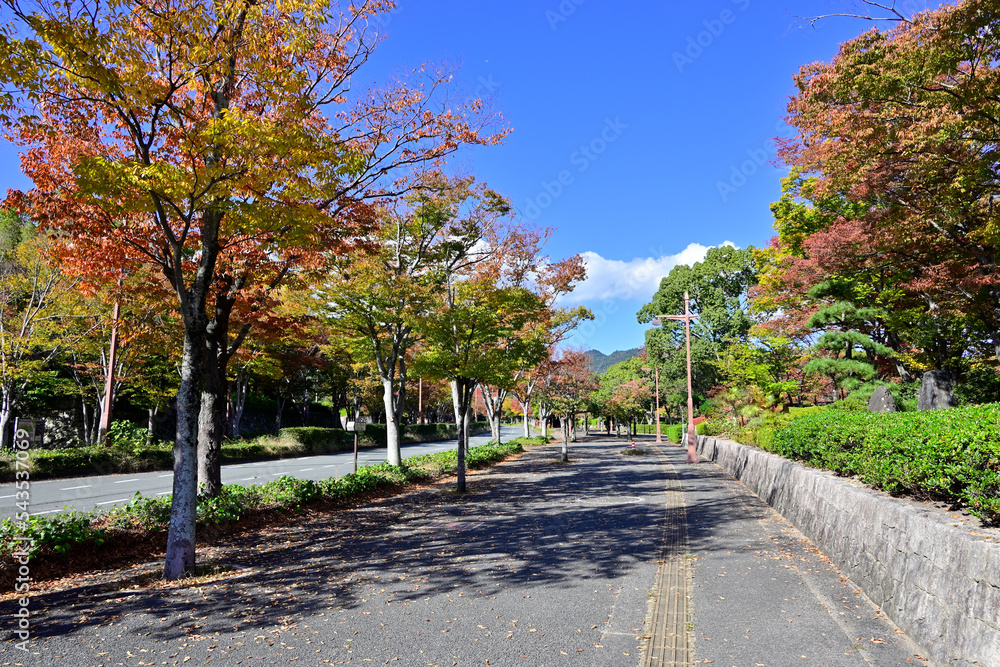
(541, 563)
(92, 492)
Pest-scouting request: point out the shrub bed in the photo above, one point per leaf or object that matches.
(951, 454)
(144, 521)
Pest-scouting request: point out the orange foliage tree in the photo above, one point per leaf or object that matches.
(219, 143)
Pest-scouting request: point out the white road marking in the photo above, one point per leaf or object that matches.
(306, 469)
(45, 512)
(10, 496)
(126, 481)
(120, 500)
(167, 475)
(72, 488)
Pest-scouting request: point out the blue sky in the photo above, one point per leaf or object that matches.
(645, 110)
(631, 121)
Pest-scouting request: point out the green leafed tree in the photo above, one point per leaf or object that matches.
(469, 333)
(850, 351)
(37, 302)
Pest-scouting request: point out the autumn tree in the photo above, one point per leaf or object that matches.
(144, 337)
(903, 123)
(526, 384)
(469, 333)
(223, 145)
(36, 303)
(445, 228)
(550, 281)
(568, 391)
(624, 391)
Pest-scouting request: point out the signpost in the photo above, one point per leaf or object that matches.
(357, 426)
(33, 428)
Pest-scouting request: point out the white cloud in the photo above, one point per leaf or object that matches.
(637, 279)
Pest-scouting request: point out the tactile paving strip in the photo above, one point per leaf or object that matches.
(669, 620)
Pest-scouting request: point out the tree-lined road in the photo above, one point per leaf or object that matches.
(54, 496)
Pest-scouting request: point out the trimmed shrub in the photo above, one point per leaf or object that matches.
(315, 440)
(944, 454)
(414, 433)
(674, 432)
(800, 412)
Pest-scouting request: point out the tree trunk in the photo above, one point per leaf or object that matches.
(240, 388)
(565, 442)
(151, 425)
(393, 452)
(338, 399)
(463, 390)
(184, 506)
(211, 427)
(494, 408)
(455, 400)
(84, 422)
(527, 429)
(306, 402)
(572, 428)
(280, 400)
(5, 419)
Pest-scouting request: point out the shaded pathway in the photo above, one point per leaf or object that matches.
(541, 563)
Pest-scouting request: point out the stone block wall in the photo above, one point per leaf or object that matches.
(936, 582)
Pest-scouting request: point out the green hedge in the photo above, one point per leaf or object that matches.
(944, 454)
(673, 432)
(89, 460)
(802, 412)
(315, 440)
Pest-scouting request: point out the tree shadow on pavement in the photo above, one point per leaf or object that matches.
(524, 524)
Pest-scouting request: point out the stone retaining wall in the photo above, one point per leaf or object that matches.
(935, 581)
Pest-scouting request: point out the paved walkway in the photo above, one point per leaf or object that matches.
(542, 563)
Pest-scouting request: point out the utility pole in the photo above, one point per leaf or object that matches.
(692, 456)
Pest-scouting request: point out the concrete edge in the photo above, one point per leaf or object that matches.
(936, 582)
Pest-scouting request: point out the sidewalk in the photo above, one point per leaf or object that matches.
(541, 563)
(762, 594)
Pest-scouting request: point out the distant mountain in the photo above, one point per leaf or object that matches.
(600, 362)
